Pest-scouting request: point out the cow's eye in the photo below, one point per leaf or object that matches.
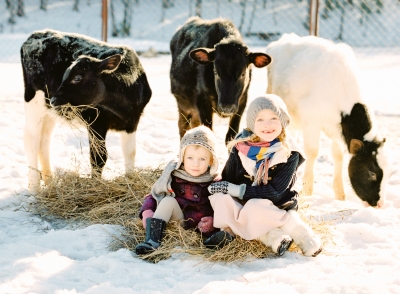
(76, 79)
(371, 176)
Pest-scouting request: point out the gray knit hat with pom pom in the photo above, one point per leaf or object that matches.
(268, 101)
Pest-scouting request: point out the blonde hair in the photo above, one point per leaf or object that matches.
(255, 139)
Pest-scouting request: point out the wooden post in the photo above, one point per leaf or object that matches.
(316, 28)
(313, 17)
(104, 20)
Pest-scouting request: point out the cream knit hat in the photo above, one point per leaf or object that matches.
(268, 101)
(201, 136)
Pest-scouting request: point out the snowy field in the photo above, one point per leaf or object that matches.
(43, 257)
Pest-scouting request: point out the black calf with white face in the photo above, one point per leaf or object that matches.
(366, 167)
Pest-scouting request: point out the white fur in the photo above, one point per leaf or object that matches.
(128, 145)
(37, 136)
(39, 125)
(274, 238)
(301, 234)
(317, 79)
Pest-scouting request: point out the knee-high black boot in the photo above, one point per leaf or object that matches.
(154, 233)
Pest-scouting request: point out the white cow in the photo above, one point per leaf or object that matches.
(318, 81)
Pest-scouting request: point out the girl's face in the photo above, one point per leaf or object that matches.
(196, 160)
(267, 125)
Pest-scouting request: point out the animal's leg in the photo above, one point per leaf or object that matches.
(204, 115)
(195, 120)
(128, 144)
(183, 121)
(44, 150)
(337, 155)
(97, 146)
(311, 147)
(35, 112)
(234, 123)
(188, 119)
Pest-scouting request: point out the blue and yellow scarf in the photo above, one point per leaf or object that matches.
(261, 153)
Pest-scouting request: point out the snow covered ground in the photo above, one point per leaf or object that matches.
(38, 256)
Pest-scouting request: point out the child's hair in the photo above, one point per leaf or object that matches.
(255, 139)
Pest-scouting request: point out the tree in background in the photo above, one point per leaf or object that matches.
(367, 9)
(243, 4)
(43, 5)
(125, 27)
(20, 8)
(198, 8)
(76, 5)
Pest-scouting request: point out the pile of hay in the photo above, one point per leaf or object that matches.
(117, 201)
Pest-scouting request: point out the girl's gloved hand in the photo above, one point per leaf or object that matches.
(205, 225)
(146, 214)
(227, 188)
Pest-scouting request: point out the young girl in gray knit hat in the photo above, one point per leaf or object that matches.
(181, 193)
(256, 199)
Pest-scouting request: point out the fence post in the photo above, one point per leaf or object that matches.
(313, 17)
(104, 20)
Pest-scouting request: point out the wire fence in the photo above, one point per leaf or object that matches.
(140, 23)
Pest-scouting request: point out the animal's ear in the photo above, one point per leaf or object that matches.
(202, 55)
(111, 63)
(260, 59)
(356, 146)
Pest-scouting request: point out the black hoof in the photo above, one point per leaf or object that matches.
(218, 240)
(285, 244)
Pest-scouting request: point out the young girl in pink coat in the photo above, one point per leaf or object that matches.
(255, 198)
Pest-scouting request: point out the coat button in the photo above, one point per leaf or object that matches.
(196, 196)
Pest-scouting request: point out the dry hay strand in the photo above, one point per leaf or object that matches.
(118, 201)
(177, 240)
(70, 196)
(73, 115)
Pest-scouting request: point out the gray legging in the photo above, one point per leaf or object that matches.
(168, 209)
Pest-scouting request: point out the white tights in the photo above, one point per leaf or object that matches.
(168, 209)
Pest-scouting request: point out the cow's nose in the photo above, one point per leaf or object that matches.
(228, 109)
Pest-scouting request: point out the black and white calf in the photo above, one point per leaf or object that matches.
(318, 81)
(107, 82)
(210, 73)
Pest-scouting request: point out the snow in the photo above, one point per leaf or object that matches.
(39, 256)
(43, 256)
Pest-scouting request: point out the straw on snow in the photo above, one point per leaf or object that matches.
(118, 201)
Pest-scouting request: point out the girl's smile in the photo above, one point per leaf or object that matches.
(267, 125)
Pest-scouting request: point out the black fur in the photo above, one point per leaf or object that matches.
(364, 171)
(218, 81)
(102, 76)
